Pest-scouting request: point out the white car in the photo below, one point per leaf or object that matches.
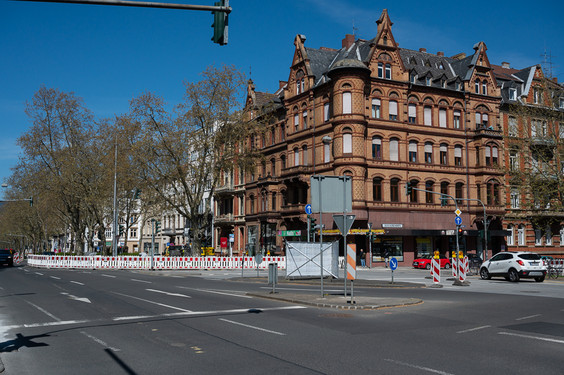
(513, 266)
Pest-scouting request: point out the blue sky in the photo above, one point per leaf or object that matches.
(107, 55)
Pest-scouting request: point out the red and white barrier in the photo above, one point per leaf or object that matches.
(159, 263)
(436, 271)
(462, 268)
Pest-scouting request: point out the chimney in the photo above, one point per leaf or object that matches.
(505, 65)
(348, 41)
(440, 53)
(423, 50)
(281, 84)
(555, 79)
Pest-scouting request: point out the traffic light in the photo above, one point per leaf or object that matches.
(312, 225)
(408, 189)
(121, 229)
(136, 193)
(444, 201)
(157, 226)
(30, 201)
(459, 233)
(219, 24)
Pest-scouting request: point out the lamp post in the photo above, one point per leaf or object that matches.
(370, 245)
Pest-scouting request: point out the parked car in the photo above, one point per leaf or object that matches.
(513, 266)
(7, 257)
(426, 263)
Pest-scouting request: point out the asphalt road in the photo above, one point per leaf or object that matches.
(125, 322)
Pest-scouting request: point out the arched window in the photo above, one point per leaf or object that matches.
(300, 82)
(444, 190)
(477, 86)
(492, 154)
(444, 153)
(511, 236)
(493, 193)
(273, 206)
(376, 104)
(458, 155)
(393, 110)
(304, 118)
(377, 148)
(413, 197)
(252, 204)
(429, 152)
(296, 156)
(394, 190)
(413, 151)
(347, 141)
(459, 192)
(484, 87)
(442, 118)
(305, 158)
(380, 70)
(347, 102)
(521, 235)
(429, 197)
(394, 149)
(273, 167)
(377, 189)
(412, 113)
(283, 161)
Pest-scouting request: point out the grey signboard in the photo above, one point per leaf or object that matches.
(331, 193)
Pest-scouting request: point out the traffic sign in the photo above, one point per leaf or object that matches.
(458, 220)
(457, 212)
(393, 264)
(308, 209)
(344, 222)
(289, 233)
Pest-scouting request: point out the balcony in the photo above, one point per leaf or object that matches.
(226, 189)
(228, 219)
(488, 132)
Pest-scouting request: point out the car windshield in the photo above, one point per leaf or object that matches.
(530, 256)
(5, 251)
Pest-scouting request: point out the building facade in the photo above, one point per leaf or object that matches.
(387, 117)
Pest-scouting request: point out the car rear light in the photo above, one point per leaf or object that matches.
(521, 263)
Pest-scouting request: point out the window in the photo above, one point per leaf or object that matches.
(458, 191)
(477, 86)
(347, 141)
(283, 161)
(485, 120)
(458, 86)
(442, 118)
(377, 148)
(305, 158)
(510, 238)
(296, 122)
(478, 120)
(274, 207)
(458, 155)
(388, 71)
(326, 152)
(512, 94)
(492, 193)
(380, 70)
(412, 77)
(484, 88)
(512, 130)
(304, 116)
(491, 155)
(394, 149)
(429, 197)
(443, 154)
(413, 197)
(548, 237)
(456, 119)
(326, 112)
(444, 191)
(536, 96)
(272, 136)
(428, 117)
(413, 151)
(521, 235)
(513, 160)
(252, 204)
(296, 157)
(561, 103)
(347, 102)
(394, 190)
(538, 237)
(273, 167)
(514, 196)
(428, 81)
(377, 189)
(376, 108)
(428, 153)
(393, 110)
(412, 113)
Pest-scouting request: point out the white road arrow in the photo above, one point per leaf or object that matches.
(168, 293)
(76, 298)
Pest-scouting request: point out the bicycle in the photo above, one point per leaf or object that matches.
(553, 272)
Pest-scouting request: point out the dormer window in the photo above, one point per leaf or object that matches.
(428, 81)
(484, 88)
(443, 83)
(412, 77)
(512, 94)
(300, 82)
(458, 86)
(536, 96)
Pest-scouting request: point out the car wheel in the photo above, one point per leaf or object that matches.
(484, 274)
(513, 276)
(447, 266)
(428, 266)
(539, 279)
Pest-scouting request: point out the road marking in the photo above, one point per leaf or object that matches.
(302, 289)
(418, 367)
(168, 293)
(76, 282)
(55, 277)
(108, 275)
(153, 302)
(215, 292)
(44, 311)
(473, 329)
(97, 340)
(81, 299)
(528, 317)
(253, 327)
(48, 324)
(38, 273)
(531, 337)
(141, 281)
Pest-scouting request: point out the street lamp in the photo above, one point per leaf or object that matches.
(370, 244)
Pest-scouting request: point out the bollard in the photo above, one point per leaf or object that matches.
(273, 275)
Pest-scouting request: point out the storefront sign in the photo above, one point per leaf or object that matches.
(290, 233)
(392, 225)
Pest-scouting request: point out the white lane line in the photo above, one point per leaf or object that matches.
(214, 292)
(44, 311)
(55, 277)
(81, 299)
(112, 276)
(76, 282)
(303, 289)
(473, 329)
(97, 340)
(418, 367)
(48, 324)
(141, 281)
(168, 293)
(39, 273)
(253, 327)
(528, 317)
(531, 337)
(153, 302)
